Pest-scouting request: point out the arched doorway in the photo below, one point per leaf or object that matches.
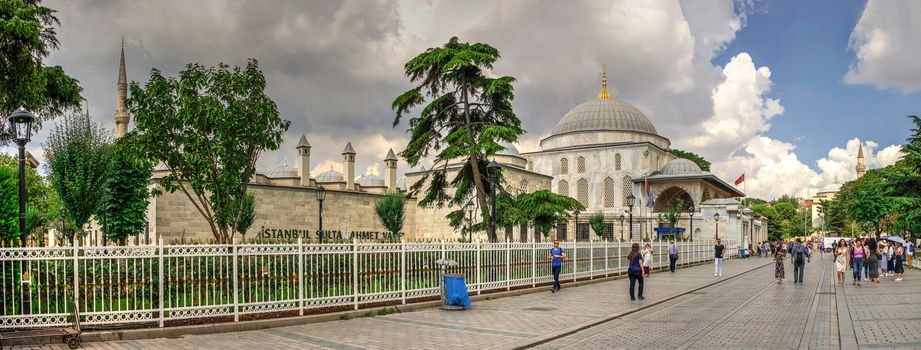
(670, 197)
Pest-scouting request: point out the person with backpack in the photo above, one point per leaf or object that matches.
(800, 257)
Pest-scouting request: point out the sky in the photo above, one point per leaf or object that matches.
(783, 90)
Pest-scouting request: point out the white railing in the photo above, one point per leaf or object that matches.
(160, 284)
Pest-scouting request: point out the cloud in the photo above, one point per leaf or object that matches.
(887, 44)
(771, 169)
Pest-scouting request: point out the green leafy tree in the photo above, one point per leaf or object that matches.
(774, 223)
(752, 201)
(391, 212)
(40, 193)
(834, 214)
(701, 162)
(77, 158)
(468, 115)
(9, 205)
(672, 214)
(248, 215)
(126, 195)
(545, 209)
(870, 198)
(28, 34)
(596, 221)
(208, 126)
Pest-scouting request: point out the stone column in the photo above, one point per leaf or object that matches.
(303, 159)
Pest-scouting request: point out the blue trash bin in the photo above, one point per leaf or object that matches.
(456, 296)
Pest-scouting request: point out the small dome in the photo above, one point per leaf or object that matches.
(604, 115)
(681, 166)
(284, 170)
(509, 150)
(330, 176)
(370, 180)
(835, 187)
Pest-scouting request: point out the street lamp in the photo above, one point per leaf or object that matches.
(716, 219)
(751, 226)
(321, 196)
(621, 218)
(576, 213)
(492, 170)
(631, 200)
(470, 218)
(21, 125)
(691, 214)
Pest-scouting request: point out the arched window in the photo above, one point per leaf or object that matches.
(562, 188)
(617, 162)
(582, 191)
(609, 194)
(564, 166)
(626, 189)
(530, 165)
(580, 164)
(523, 186)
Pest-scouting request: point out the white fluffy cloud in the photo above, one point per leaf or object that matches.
(887, 43)
(771, 169)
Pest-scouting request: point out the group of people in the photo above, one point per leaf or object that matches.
(869, 259)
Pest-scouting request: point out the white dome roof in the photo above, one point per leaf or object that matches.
(509, 149)
(681, 166)
(330, 176)
(370, 180)
(604, 115)
(835, 187)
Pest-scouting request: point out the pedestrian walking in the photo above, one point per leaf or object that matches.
(884, 258)
(858, 254)
(647, 259)
(822, 249)
(767, 249)
(779, 255)
(799, 258)
(556, 257)
(873, 260)
(841, 260)
(891, 262)
(672, 255)
(635, 270)
(899, 258)
(910, 253)
(718, 258)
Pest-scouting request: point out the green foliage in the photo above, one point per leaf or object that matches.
(774, 229)
(596, 221)
(126, 196)
(208, 127)
(871, 198)
(672, 214)
(9, 205)
(834, 214)
(546, 209)
(390, 211)
(248, 215)
(701, 162)
(77, 159)
(28, 37)
(468, 115)
(40, 195)
(748, 202)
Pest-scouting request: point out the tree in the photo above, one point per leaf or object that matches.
(469, 114)
(126, 195)
(546, 209)
(774, 229)
(9, 205)
(248, 215)
(391, 212)
(208, 126)
(672, 214)
(596, 221)
(752, 201)
(870, 198)
(77, 158)
(40, 194)
(28, 37)
(701, 162)
(834, 214)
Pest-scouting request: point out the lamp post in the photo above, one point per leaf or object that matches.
(716, 219)
(691, 214)
(631, 200)
(470, 218)
(321, 196)
(751, 226)
(576, 213)
(21, 125)
(492, 170)
(621, 218)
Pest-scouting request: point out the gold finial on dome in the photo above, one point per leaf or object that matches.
(604, 95)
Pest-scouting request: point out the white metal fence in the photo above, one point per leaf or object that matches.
(166, 284)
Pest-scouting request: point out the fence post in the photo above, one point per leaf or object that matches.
(591, 259)
(607, 269)
(76, 278)
(355, 272)
(533, 264)
(575, 258)
(479, 287)
(300, 275)
(620, 261)
(160, 280)
(508, 265)
(236, 282)
(403, 270)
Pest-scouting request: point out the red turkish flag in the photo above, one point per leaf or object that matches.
(741, 179)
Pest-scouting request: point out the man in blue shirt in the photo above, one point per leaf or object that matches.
(672, 256)
(556, 257)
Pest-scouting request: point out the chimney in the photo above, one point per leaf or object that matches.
(303, 158)
(348, 157)
(391, 164)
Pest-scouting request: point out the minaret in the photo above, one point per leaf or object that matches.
(604, 95)
(348, 156)
(391, 164)
(121, 114)
(861, 165)
(303, 160)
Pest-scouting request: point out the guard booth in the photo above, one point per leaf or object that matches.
(668, 233)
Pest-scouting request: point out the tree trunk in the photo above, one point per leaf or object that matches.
(475, 166)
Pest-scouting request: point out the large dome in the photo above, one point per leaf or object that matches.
(604, 115)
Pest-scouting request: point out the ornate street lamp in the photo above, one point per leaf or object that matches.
(716, 219)
(631, 200)
(470, 208)
(492, 170)
(691, 214)
(576, 213)
(621, 218)
(21, 125)
(321, 196)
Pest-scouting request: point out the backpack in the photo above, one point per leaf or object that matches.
(799, 255)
